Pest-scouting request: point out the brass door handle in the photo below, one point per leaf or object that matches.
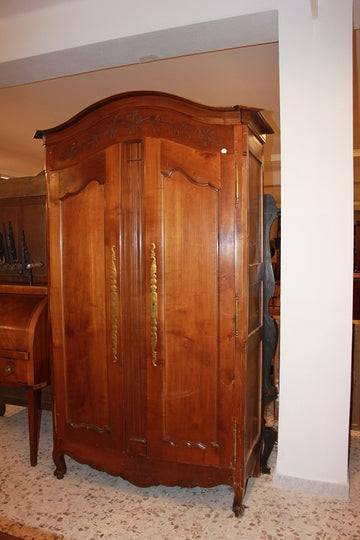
(8, 370)
(114, 304)
(237, 315)
(153, 304)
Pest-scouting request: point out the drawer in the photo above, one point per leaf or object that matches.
(14, 370)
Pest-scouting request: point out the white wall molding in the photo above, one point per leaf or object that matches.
(328, 489)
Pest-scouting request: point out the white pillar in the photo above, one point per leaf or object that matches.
(315, 54)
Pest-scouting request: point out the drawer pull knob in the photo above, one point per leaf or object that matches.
(7, 370)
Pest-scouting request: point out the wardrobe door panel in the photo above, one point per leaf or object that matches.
(190, 288)
(82, 281)
(84, 307)
(184, 375)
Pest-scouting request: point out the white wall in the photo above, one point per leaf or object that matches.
(316, 184)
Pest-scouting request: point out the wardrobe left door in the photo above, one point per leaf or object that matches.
(84, 233)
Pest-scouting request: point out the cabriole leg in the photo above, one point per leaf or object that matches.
(238, 506)
(60, 464)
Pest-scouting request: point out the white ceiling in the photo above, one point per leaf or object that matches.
(246, 75)
(35, 94)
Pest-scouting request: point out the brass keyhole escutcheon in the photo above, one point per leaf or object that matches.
(7, 370)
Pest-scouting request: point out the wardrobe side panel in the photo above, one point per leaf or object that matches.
(254, 301)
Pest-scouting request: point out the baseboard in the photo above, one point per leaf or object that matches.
(328, 489)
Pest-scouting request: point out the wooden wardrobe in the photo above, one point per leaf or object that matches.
(155, 284)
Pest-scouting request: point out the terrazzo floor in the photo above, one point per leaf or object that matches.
(90, 505)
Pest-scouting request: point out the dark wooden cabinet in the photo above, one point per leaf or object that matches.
(24, 351)
(22, 207)
(156, 271)
(24, 329)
